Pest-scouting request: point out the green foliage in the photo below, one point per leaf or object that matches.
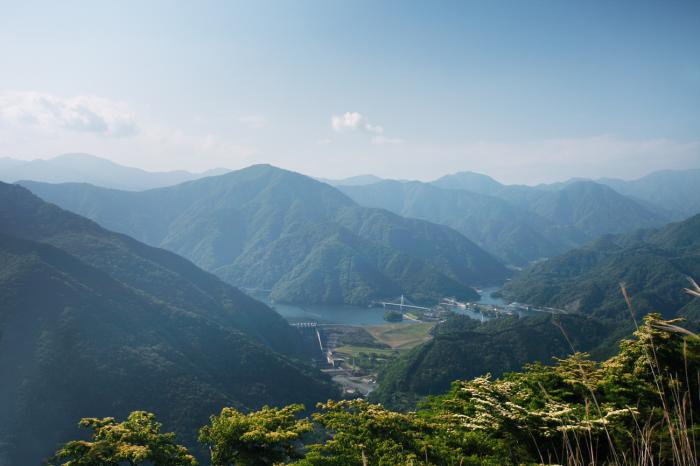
(641, 401)
(364, 433)
(393, 316)
(264, 437)
(136, 441)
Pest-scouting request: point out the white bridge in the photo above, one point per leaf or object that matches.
(402, 304)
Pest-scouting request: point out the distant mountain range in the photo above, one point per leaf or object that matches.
(677, 191)
(518, 224)
(94, 323)
(267, 228)
(673, 193)
(84, 168)
(359, 180)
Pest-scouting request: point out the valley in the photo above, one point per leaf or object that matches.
(232, 282)
(354, 344)
(349, 233)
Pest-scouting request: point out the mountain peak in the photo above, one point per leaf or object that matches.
(469, 181)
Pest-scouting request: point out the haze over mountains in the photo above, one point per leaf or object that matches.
(271, 229)
(518, 224)
(84, 168)
(94, 322)
(119, 316)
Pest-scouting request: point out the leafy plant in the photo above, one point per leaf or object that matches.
(264, 437)
(136, 441)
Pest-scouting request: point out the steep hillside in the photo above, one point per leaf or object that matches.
(509, 232)
(267, 228)
(463, 348)
(95, 323)
(653, 264)
(85, 168)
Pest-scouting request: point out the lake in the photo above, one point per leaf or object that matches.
(486, 297)
(357, 315)
(345, 315)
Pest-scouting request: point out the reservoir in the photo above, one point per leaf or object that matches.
(486, 297)
(359, 315)
(331, 314)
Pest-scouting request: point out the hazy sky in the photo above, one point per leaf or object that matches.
(525, 91)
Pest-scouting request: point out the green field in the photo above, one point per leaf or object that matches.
(402, 336)
(354, 351)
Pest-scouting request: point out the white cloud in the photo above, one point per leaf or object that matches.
(356, 122)
(348, 121)
(253, 121)
(52, 113)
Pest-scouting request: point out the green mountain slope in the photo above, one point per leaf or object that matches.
(586, 206)
(93, 323)
(465, 348)
(509, 232)
(653, 264)
(593, 208)
(255, 227)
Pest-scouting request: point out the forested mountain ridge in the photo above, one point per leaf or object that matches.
(256, 227)
(95, 322)
(593, 208)
(518, 224)
(653, 264)
(674, 194)
(512, 233)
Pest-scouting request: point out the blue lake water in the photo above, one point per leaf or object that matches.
(346, 315)
(486, 297)
(358, 315)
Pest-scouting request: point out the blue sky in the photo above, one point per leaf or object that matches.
(525, 91)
